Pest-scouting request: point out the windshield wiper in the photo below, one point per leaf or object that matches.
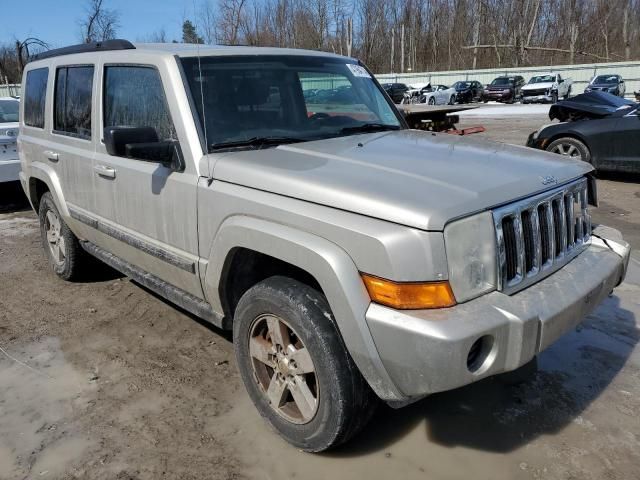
(369, 127)
(255, 143)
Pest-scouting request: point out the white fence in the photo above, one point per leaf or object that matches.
(581, 74)
(10, 90)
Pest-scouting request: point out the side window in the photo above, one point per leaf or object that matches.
(134, 97)
(72, 103)
(34, 97)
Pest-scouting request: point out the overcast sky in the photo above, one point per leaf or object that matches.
(56, 21)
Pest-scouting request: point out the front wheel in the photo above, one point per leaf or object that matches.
(432, 101)
(452, 100)
(296, 367)
(570, 147)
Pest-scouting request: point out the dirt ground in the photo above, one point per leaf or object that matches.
(103, 380)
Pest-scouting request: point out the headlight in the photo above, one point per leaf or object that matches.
(8, 132)
(471, 254)
(506, 90)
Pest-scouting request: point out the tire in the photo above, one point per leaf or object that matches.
(61, 246)
(452, 100)
(554, 98)
(341, 402)
(520, 375)
(570, 147)
(566, 97)
(432, 101)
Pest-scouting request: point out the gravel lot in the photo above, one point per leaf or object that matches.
(101, 379)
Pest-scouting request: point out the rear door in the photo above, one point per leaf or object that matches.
(73, 133)
(148, 210)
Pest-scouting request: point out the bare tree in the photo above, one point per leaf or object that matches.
(100, 23)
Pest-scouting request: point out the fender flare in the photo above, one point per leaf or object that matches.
(332, 268)
(45, 173)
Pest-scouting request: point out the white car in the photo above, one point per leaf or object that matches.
(438, 95)
(546, 88)
(9, 161)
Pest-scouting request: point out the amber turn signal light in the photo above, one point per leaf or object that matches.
(409, 295)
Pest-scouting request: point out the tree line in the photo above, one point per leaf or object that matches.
(395, 35)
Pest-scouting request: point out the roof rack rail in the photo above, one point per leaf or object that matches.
(117, 44)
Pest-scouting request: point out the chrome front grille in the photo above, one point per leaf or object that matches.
(538, 235)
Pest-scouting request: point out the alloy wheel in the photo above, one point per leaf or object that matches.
(55, 240)
(567, 150)
(283, 368)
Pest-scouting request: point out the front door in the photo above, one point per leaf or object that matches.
(147, 210)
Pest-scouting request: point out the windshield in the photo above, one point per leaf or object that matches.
(462, 85)
(500, 81)
(606, 79)
(246, 100)
(542, 79)
(9, 111)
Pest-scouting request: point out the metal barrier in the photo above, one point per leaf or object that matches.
(580, 74)
(10, 90)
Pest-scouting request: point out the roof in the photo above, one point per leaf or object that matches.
(179, 49)
(190, 50)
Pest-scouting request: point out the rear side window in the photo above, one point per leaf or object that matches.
(134, 97)
(34, 97)
(72, 105)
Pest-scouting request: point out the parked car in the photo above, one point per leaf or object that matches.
(598, 128)
(504, 89)
(438, 95)
(607, 83)
(353, 260)
(468, 91)
(396, 91)
(9, 161)
(546, 88)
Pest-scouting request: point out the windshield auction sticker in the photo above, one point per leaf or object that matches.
(358, 71)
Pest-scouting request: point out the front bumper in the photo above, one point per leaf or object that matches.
(536, 99)
(497, 96)
(427, 351)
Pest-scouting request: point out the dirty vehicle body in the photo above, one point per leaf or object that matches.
(598, 128)
(504, 89)
(9, 161)
(546, 88)
(353, 258)
(613, 84)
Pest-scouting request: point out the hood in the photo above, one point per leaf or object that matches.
(603, 85)
(591, 105)
(414, 178)
(499, 87)
(538, 86)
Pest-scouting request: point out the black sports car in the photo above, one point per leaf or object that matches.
(597, 127)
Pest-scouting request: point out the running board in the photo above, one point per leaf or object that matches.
(175, 295)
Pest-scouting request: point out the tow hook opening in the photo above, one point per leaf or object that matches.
(479, 353)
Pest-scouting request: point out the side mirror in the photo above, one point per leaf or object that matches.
(561, 80)
(142, 143)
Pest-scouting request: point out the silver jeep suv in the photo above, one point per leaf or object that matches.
(280, 194)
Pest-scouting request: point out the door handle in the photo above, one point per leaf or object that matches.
(105, 171)
(53, 156)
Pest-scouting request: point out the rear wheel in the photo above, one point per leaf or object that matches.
(452, 100)
(570, 147)
(296, 367)
(61, 246)
(432, 101)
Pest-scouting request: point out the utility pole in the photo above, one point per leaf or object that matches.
(393, 38)
(402, 49)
